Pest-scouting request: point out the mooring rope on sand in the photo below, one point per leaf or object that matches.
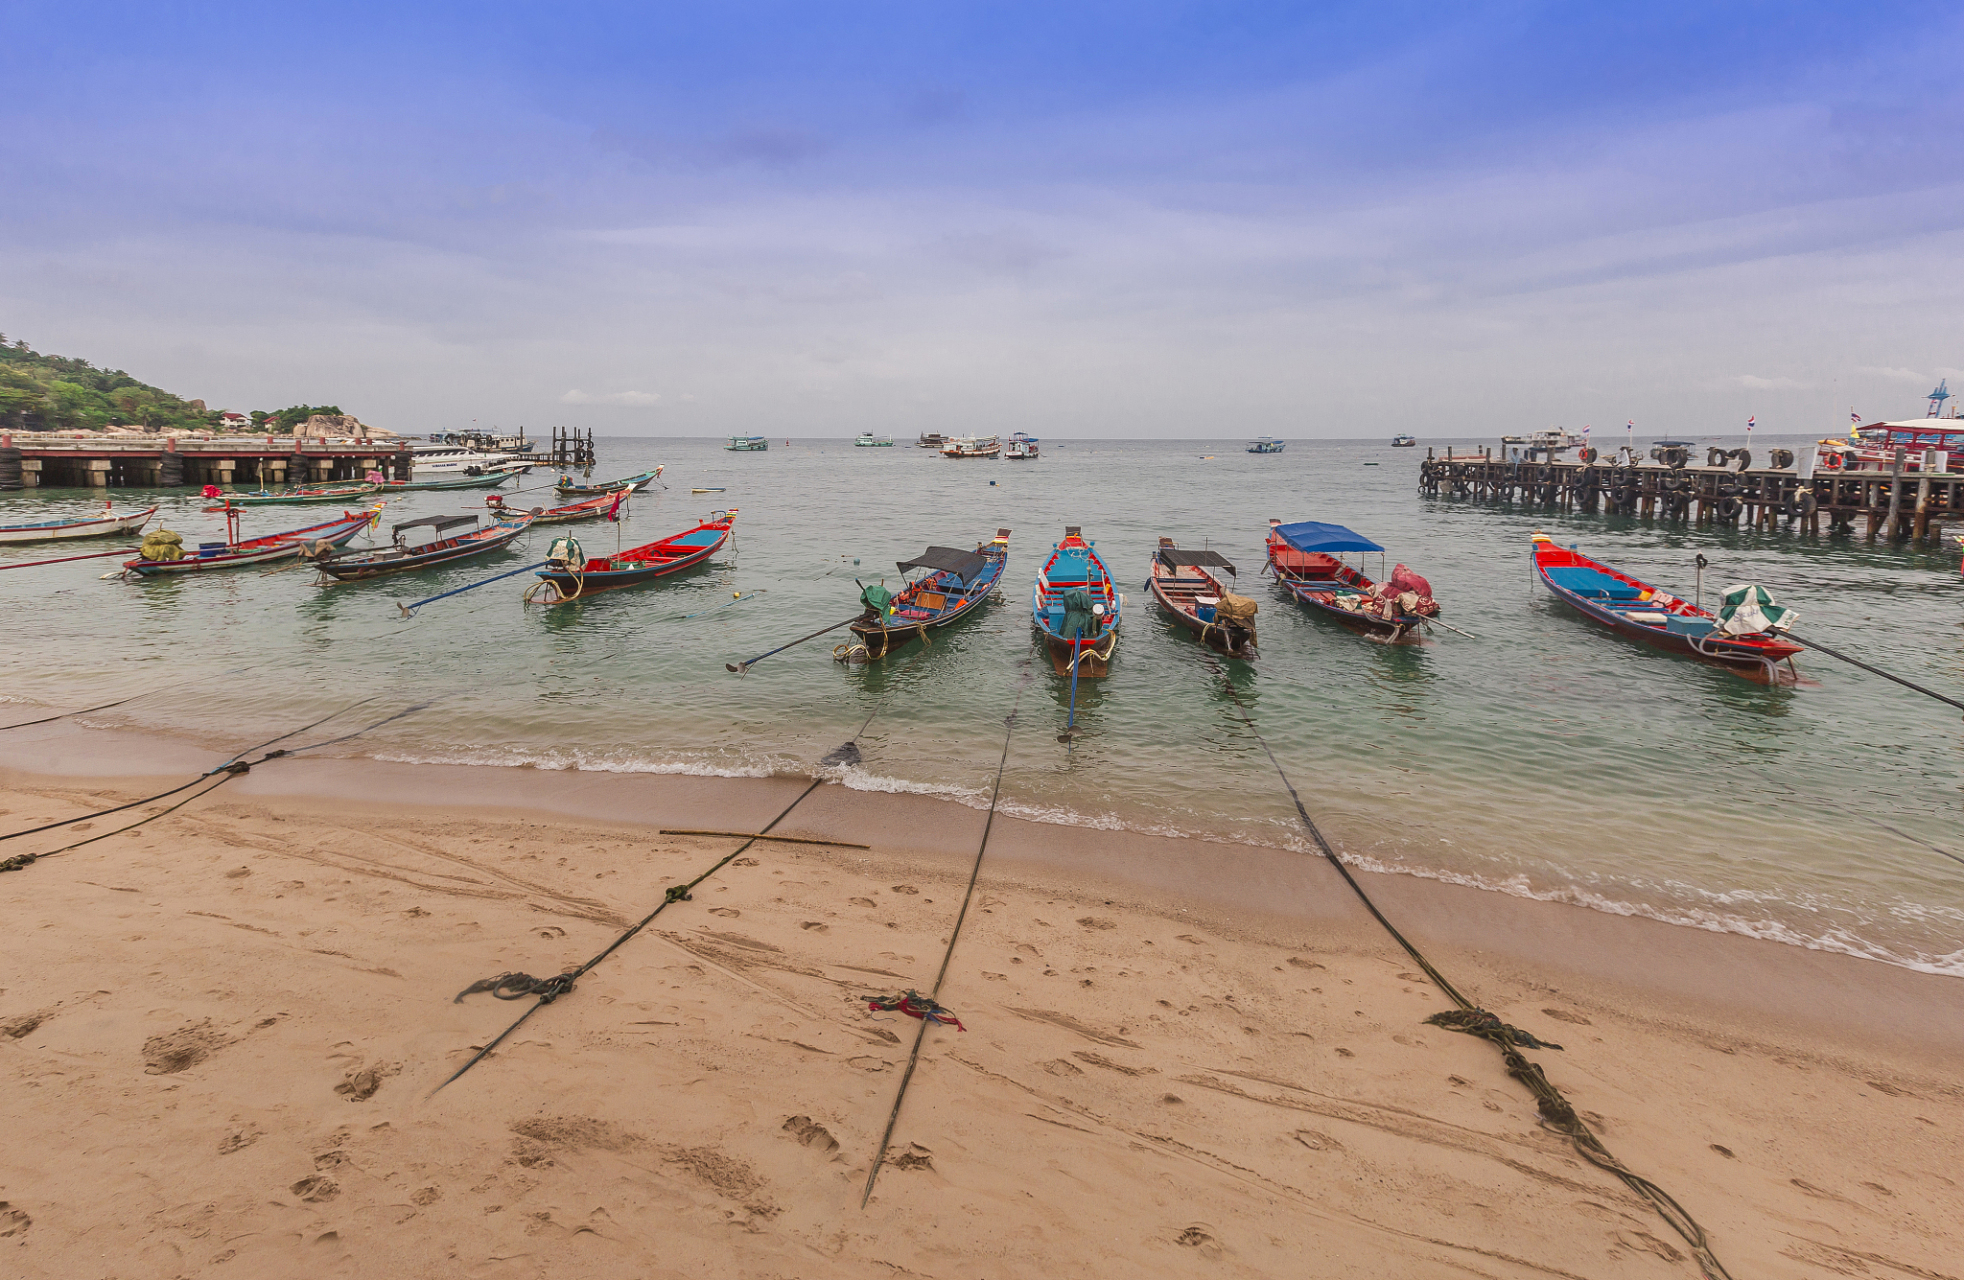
(1557, 1113)
(929, 1011)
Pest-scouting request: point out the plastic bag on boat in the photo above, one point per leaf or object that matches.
(1749, 610)
(162, 544)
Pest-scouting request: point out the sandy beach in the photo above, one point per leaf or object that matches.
(219, 1035)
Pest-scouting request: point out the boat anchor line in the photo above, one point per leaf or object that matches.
(1556, 1112)
(224, 773)
(954, 936)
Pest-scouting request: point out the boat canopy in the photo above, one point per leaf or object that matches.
(1314, 535)
(967, 565)
(437, 524)
(1173, 558)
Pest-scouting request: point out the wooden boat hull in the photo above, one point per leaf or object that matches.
(602, 574)
(385, 563)
(490, 480)
(1232, 639)
(277, 546)
(590, 509)
(296, 497)
(912, 619)
(57, 530)
(1684, 628)
(633, 484)
(1073, 564)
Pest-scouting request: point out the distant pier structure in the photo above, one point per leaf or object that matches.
(47, 460)
(1905, 497)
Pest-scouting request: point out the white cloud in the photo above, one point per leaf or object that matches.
(1898, 375)
(1754, 383)
(632, 398)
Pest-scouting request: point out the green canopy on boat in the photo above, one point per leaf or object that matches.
(875, 597)
(1749, 610)
(1078, 617)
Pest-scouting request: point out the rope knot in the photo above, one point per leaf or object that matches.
(17, 862)
(676, 893)
(914, 1005)
(516, 986)
(237, 766)
(1478, 1022)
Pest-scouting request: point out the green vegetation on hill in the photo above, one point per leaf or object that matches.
(52, 393)
(56, 393)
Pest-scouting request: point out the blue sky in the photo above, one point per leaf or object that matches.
(1105, 219)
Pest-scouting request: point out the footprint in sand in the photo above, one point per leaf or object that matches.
(1093, 922)
(728, 913)
(13, 1222)
(360, 1085)
(815, 926)
(812, 1134)
(905, 888)
(862, 902)
(427, 1196)
(181, 1049)
(316, 1189)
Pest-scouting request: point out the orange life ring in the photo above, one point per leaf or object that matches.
(1830, 462)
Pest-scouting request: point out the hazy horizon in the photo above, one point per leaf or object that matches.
(1107, 221)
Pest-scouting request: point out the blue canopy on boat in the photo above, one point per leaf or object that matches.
(1314, 535)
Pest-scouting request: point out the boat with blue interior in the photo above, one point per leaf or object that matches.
(1305, 559)
(1747, 634)
(954, 585)
(1075, 607)
(163, 552)
(1265, 444)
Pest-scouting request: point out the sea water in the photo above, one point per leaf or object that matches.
(1538, 755)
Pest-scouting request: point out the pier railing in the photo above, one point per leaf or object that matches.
(50, 461)
(1893, 501)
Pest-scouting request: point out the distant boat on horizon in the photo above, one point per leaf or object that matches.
(1265, 444)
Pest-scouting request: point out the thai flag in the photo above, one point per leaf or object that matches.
(1750, 421)
(1854, 418)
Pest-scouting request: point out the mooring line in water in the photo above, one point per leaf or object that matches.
(550, 989)
(934, 992)
(64, 715)
(1557, 1113)
(223, 774)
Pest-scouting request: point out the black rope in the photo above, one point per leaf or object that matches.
(913, 1059)
(1557, 1112)
(64, 715)
(550, 989)
(1876, 671)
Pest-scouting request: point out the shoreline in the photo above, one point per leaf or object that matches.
(1725, 975)
(221, 1037)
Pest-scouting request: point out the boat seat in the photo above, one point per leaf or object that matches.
(1593, 583)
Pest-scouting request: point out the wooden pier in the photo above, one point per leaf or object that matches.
(53, 461)
(1898, 502)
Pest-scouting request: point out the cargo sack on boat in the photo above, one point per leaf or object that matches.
(566, 552)
(1234, 608)
(1403, 580)
(1749, 610)
(162, 544)
(876, 598)
(1077, 614)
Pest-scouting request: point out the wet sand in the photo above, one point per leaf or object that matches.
(219, 1035)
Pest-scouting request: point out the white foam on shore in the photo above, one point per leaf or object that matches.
(1711, 918)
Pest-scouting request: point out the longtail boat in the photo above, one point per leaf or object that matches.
(164, 553)
(1075, 607)
(1745, 638)
(633, 484)
(570, 574)
(585, 509)
(488, 480)
(1186, 585)
(104, 522)
(443, 547)
(956, 584)
(268, 498)
(1304, 559)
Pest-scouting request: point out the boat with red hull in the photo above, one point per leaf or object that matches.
(235, 552)
(1637, 609)
(1303, 557)
(572, 575)
(1186, 586)
(588, 509)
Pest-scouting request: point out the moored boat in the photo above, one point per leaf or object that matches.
(1746, 635)
(1186, 586)
(1404, 442)
(931, 440)
(1075, 607)
(443, 547)
(164, 553)
(867, 440)
(1266, 444)
(956, 584)
(104, 522)
(292, 497)
(484, 480)
(971, 447)
(634, 483)
(570, 574)
(1020, 446)
(1304, 558)
(585, 509)
(749, 444)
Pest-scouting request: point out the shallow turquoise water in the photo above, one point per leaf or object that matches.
(1545, 757)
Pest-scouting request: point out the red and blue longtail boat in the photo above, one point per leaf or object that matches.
(235, 552)
(570, 574)
(1305, 559)
(955, 586)
(1637, 609)
(1075, 607)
